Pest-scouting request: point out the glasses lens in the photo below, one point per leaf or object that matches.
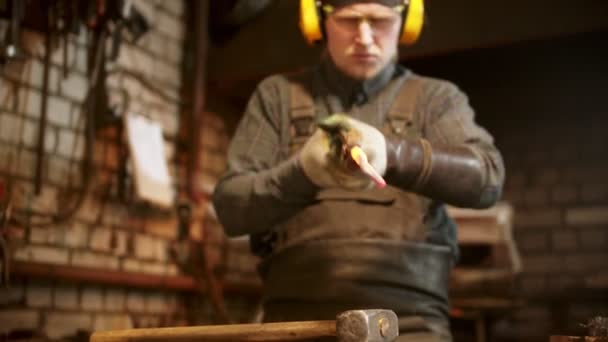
(351, 22)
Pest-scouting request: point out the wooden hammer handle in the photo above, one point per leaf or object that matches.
(281, 331)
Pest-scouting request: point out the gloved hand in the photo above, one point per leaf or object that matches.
(325, 157)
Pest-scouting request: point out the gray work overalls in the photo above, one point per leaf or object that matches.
(356, 250)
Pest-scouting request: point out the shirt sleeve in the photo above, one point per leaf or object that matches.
(450, 121)
(258, 190)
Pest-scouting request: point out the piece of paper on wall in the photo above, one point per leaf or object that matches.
(146, 147)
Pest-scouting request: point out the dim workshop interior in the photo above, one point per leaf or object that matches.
(151, 175)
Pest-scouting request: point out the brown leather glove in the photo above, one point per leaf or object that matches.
(454, 175)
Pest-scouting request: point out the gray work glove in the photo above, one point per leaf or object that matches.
(326, 157)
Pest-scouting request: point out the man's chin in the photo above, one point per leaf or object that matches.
(364, 73)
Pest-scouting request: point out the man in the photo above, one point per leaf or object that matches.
(331, 240)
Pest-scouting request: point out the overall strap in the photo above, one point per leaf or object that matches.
(302, 111)
(402, 118)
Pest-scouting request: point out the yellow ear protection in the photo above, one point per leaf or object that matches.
(311, 20)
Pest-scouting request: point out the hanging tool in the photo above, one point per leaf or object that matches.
(5, 216)
(10, 48)
(44, 99)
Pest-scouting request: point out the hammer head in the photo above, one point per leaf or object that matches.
(367, 326)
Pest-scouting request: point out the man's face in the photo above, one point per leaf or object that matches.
(362, 38)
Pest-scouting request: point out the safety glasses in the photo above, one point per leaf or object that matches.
(350, 20)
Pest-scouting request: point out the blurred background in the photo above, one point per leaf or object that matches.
(84, 247)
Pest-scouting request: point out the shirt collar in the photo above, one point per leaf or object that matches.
(350, 91)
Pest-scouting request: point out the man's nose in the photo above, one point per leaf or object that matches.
(365, 34)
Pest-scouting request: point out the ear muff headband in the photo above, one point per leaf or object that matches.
(413, 20)
(311, 21)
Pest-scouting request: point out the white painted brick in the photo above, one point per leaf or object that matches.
(10, 128)
(157, 43)
(112, 322)
(26, 164)
(13, 72)
(114, 214)
(162, 250)
(136, 302)
(29, 102)
(75, 87)
(167, 73)
(145, 247)
(58, 111)
(172, 270)
(144, 42)
(101, 239)
(30, 133)
(56, 235)
(121, 240)
(38, 235)
(50, 139)
(133, 87)
(125, 58)
(169, 151)
(95, 260)
(60, 325)
(54, 80)
(89, 210)
(79, 147)
(46, 201)
(92, 299)
(131, 265)
(170, 26)
(10, 295)
(156, 303)
(7, 157)
(144, 62)
(77, 235)
(114, 300)
(45, 254)
(175, 52)
(58, 170)
(21, 254)
(65, 297)
(153, 268)
(587, 215)
(38, 295)
(7, 94)
(148, 321)
(18, 319)
(170, 124)
(81, 59)
(57, 56)
(35, 73)
(66, 143)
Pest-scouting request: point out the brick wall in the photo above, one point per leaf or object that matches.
(544, 103)
(107, 233)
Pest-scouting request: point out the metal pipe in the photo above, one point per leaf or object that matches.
(97, 276)
(201, 37)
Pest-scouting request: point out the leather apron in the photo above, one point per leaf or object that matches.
(359, 249)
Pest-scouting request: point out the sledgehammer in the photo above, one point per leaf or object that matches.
(349, 326)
